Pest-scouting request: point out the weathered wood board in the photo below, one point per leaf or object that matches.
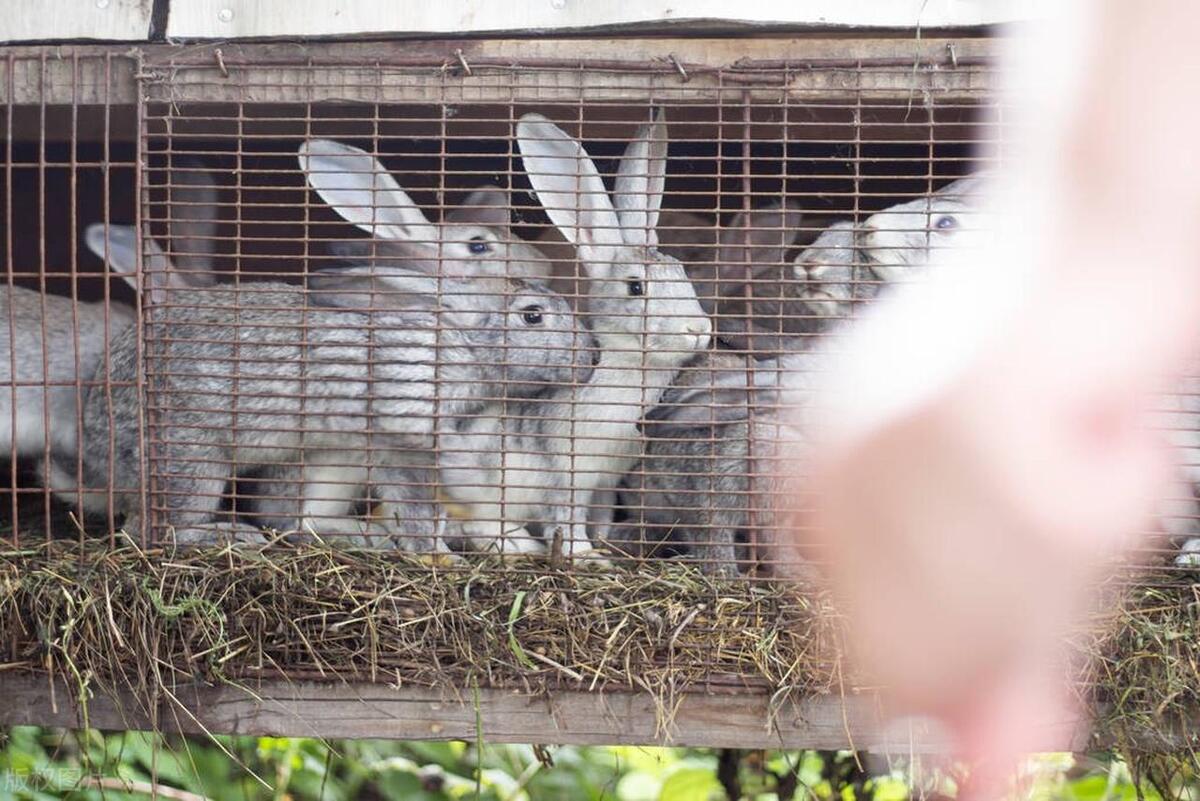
(725, 719)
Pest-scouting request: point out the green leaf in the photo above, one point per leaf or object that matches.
(514, 613)
(690, 784)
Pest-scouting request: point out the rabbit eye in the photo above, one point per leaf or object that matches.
(636, 287)
(532, 315)
(478, 245)
(945, 223)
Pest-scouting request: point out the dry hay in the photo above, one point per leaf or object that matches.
(127, 619)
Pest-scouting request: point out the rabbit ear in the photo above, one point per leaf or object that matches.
(158, 273)
(368, 287)
(192, 198)
(487, 205)
(357, 187)
(566, 181)
(119, 251)
(640, 180)
(755, 237)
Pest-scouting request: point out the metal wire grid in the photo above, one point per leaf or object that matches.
(68, 159)
(761, 161)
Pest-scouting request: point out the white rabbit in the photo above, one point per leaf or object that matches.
(545, 461)
(845, 266)
(473, 241)
(900, 238)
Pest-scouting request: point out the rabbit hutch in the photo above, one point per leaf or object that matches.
(427, 376)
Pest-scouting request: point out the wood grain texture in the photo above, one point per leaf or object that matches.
(761, 70)
(741, 719)
(821, 69)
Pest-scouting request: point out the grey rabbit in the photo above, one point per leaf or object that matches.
(343, 378)
(847, 266)
(192, 234)
(49, 348)
(710, 480)
(691, 491)
(756, 303)
(546, 460)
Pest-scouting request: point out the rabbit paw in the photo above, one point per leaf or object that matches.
(443, 559)
(592, 559)
(220, 534)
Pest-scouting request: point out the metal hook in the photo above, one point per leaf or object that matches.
(220, 57)
(679, 68)
(462, 62)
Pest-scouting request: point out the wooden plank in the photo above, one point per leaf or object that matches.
(567, 70)
(618, 70)
(742, 719)
(230, 19)
(69, 75)
(59, 20)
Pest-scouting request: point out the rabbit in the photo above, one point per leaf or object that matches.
(1179, 512)
(546, 460)
(843, 269)
(49, 348)
(756, 296)
(708, 482)
(192, 232)
(276, 496)
(268, 374)
(474, 240)
(901, 237)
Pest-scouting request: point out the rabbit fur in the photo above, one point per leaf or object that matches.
(710, 480)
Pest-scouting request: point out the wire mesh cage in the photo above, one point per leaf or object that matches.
(438, 305)
(378, 298)
(626, 409)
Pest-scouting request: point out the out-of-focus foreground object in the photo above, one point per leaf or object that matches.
(988, 442)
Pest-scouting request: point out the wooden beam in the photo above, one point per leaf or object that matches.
(766, 70)
(726, 719)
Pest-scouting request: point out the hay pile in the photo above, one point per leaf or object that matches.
(124, 618)
(1143, 670)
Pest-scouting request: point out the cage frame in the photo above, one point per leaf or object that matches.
(741, 714)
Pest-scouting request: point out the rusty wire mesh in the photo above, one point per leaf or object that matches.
(318, 356)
